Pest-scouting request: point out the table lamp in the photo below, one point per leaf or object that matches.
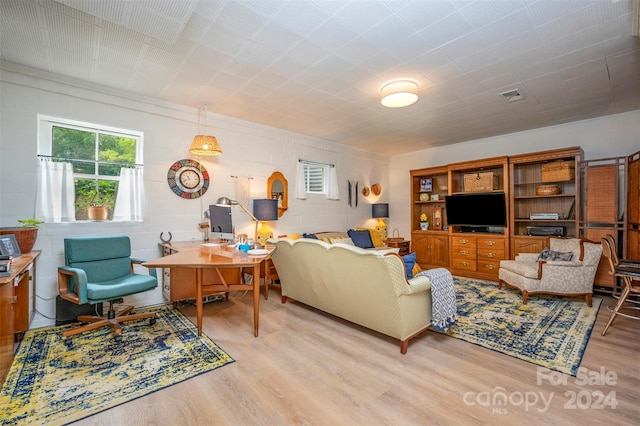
(380, 211)
(265, 210)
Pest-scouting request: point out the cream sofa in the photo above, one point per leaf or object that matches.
(366, 287)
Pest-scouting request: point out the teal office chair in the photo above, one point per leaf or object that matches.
(100, 269)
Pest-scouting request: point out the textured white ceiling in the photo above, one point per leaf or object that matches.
(315, 67)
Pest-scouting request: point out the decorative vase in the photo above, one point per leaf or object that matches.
(424, 226)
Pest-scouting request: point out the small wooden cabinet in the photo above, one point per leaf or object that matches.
(17, 306)
(6, 329)
(404, 247)
(432, 250)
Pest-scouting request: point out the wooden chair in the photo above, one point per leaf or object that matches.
(629, 273)
(100, 269)
(620, 262)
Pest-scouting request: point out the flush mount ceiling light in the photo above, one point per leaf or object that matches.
(399, 93)
(204, 144)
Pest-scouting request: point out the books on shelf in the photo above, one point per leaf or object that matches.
(5, 266)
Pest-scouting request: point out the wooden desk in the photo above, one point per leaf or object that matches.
(17, 306)
(199, 258)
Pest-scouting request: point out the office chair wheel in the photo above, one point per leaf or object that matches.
(118, 338)
(152, 321)
(68, 342)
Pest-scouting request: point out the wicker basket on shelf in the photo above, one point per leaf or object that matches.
(548, 190)
(396, 238)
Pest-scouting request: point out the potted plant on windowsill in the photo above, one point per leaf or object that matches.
(26, 233)
(97, 204)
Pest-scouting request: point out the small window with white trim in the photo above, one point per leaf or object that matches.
(315, 177)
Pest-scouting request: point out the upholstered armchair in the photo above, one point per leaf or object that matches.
(568, 268)
(101, 269)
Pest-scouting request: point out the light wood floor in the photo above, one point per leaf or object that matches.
(308, 368)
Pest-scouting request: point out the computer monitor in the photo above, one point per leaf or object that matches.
(221, 222)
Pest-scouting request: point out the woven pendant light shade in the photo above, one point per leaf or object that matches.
(205, 145)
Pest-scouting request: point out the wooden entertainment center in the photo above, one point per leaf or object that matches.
(547, 193)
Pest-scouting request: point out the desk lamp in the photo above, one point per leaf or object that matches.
(264, 210)
(227, 202)
(380, 211)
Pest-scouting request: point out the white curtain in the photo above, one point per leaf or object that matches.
(300, 188)
(332, 185)
(55, 192)
(130, 199)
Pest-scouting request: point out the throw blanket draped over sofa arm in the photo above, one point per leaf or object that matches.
(364, 287)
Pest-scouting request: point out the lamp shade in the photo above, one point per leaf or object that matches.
(225, 202)
(265, 209)
(379, 210)
(205, 145)
(399, 93)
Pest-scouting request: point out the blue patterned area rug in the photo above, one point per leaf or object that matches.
(551, 331)
(51, 384)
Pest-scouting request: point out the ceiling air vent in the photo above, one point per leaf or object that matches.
(512, 95)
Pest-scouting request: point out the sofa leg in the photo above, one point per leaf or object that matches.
(404, 345)
(284, 299)
(525, 296)
(589, 300)
(499, 284)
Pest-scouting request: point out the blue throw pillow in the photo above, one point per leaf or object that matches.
(409, 262)
(360, 239)
(547, 254)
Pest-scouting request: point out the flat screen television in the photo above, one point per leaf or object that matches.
(486, 209)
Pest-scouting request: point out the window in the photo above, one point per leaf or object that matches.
(96, 153)
(315, 177)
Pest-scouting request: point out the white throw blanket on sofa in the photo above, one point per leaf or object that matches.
(443, 298)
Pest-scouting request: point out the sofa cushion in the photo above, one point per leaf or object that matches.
(416, 269)
(376, 238)
(409, 262)
(361, 239)
(342, 240)
(548, 254)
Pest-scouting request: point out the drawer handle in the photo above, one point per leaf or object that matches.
(491, 267)
(464, 264)
(491, 255)
(464, 241)
(491, 243)
(464, 252)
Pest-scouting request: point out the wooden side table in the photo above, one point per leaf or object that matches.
(404, 246)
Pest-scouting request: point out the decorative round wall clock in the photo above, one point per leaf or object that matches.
(188, 179)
